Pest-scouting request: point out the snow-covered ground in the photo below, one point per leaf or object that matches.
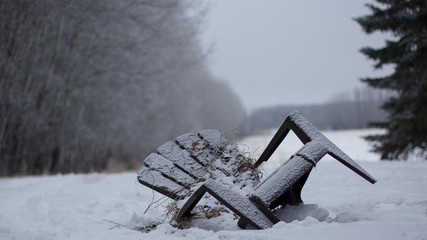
(109, 206)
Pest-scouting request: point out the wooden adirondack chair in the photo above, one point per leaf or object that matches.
(190, 160)
(182, 164)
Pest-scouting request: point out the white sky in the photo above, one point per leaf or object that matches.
(275, 52)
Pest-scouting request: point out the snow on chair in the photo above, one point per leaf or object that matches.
(283, 187)
(181, 165)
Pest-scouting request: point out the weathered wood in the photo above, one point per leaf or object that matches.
(214, 138)
(289, 173)
(240, 205)
(292, 196)
(306, 132)
(156, 181)
(195, 146)
(167, 168)
(192, 158)
(220, 147)
(183, 160)
(183, 163)
(201, 151)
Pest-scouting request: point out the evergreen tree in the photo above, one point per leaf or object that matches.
(406, 126)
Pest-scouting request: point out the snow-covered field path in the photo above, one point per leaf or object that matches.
(108, 206)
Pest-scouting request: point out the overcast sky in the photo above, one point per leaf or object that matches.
(275, 52)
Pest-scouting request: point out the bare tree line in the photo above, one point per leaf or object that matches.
(349, 110)
(88, 83)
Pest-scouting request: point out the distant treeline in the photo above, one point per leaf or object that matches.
(344, 111)
(87, 83)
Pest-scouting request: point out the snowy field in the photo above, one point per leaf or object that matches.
(111, 206)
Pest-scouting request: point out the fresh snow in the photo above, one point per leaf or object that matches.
(339, 203)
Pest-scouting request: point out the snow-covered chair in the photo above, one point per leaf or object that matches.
(181, 165)
(174, 177)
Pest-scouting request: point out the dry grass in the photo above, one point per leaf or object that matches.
(199, 212)
(246, 164)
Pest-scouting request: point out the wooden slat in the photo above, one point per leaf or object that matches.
(156, 181)
(239, 204)
(163, 165)
(195, 146)
(214, 138)
(199, 149)
(182, 158)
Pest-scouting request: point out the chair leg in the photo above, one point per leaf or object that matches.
(240, 205)
(243, 223)
(292, 196)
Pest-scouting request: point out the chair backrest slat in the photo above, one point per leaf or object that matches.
(158, 182)
(183, 160)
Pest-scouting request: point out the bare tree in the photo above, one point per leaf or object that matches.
(87, 82)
